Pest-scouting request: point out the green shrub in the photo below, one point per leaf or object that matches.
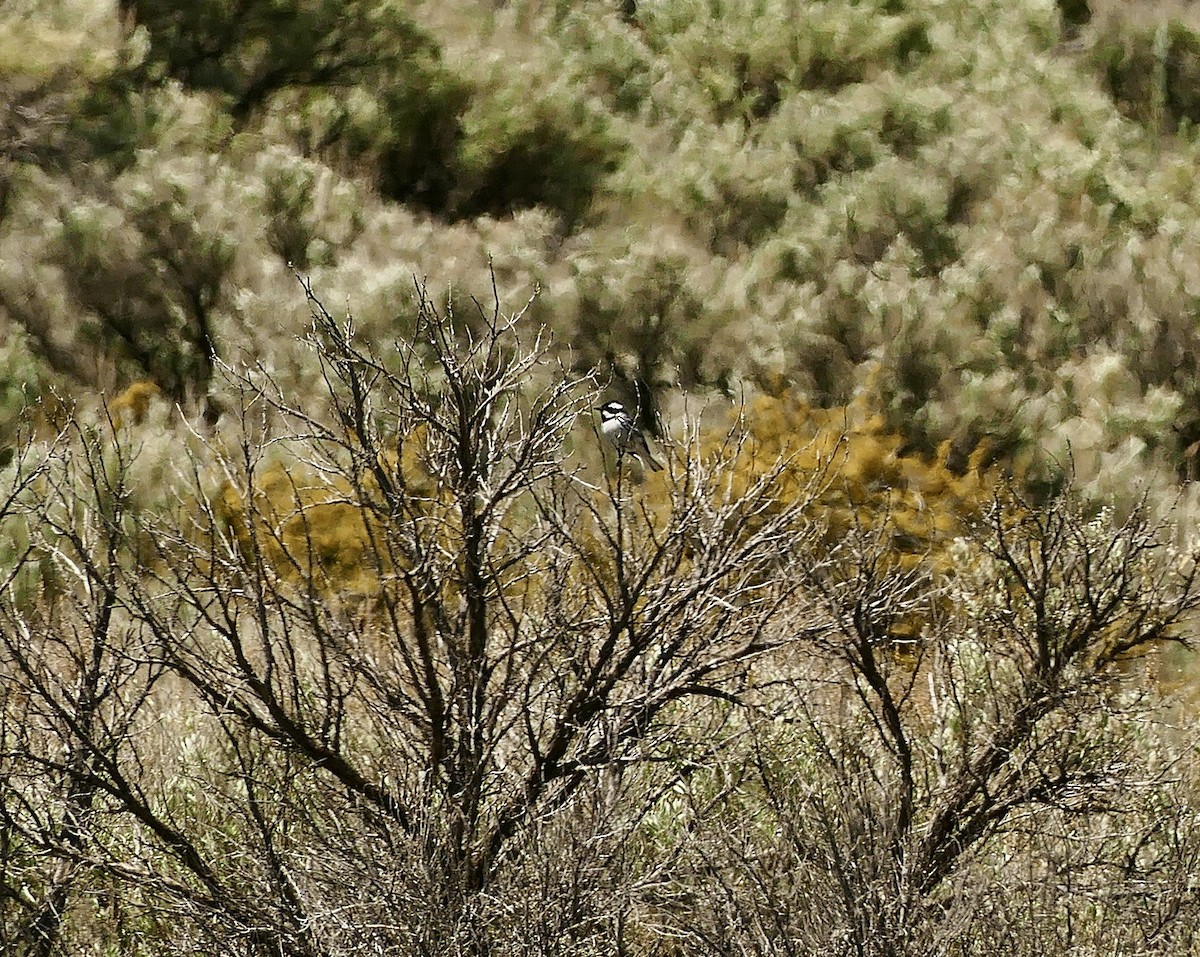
(417, 147)
(1151, 70)
(602, 50)
(660, 324)
(248, 51)
(401, 131)
(119, 110)
(149, 276)
(310, 213)
(463, 148)
(22, 381)
(528, 143)
(1074, 13)
(745, 60)
(114, 120)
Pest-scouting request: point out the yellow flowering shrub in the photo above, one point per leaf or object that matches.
(326, 533)
(861, 476)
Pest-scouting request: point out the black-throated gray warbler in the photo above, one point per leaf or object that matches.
(618, 427)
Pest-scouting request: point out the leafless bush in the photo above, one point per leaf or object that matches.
(381, 751)
(77, 681)
(998, 783)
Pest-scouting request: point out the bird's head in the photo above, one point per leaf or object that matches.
(612, 410)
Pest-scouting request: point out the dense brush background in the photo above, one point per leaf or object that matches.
(982, 218)
(954, 242)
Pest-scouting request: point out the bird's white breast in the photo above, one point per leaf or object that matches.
(612, 427)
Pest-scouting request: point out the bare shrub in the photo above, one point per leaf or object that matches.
(998, 782)
(76, 685)
(337, 767)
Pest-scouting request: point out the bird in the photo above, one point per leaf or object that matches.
(617, 425)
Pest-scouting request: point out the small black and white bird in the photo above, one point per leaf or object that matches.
(618, 427)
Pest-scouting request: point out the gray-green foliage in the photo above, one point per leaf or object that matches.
(150, 277)
(311, 212)
(249, 50)
(932, 202)
(1151, 68)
